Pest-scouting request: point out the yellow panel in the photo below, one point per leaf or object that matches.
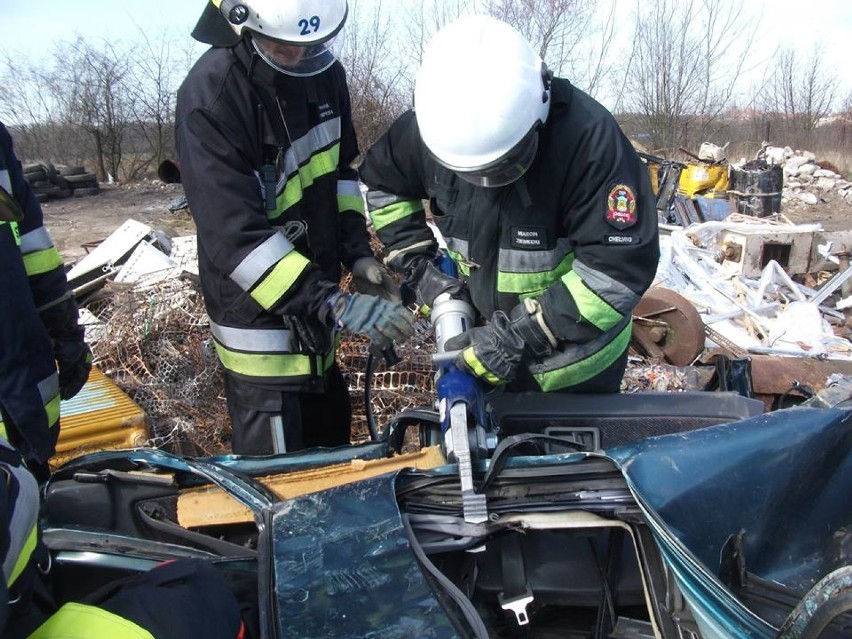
(100, 417)
(210, 506)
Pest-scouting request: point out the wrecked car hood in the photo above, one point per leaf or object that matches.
(752, 502)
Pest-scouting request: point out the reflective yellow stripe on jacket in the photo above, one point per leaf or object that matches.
(79, 621)
(39, 253)
(265, 353)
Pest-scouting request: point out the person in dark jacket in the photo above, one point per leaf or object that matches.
(265, 146)
(39, 329)
(545, 208)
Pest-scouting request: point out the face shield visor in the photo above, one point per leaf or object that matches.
(505, 169)
(294, 59)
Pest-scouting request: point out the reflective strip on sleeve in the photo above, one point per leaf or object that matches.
(280, 280)
(477, 367)
(391, 213)
(79, 621)
(460, 262)
(616, 294)
(586, 368)
(40, 256)
(590, 305)
(349, 197)
(252, 269)
(24, 555)
(23, 532)
(49, 391)
(42, 262)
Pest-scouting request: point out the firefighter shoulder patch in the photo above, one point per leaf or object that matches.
(621, 207)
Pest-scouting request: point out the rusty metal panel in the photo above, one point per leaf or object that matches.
(101, 416)
(774, 375)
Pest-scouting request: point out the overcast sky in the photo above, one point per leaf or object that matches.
(31, 26)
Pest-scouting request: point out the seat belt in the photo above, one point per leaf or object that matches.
(517, 594)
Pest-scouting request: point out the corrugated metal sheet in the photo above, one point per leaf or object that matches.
(101, 416)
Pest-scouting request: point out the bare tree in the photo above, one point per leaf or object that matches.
(801, 94)
(378, 86)
(92, 89)
(26, 105)
(156, 75)
(421, 20)
(555, 27)
(688, 56)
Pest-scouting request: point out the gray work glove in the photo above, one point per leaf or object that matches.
(381, 320)
(494, 352)
(371, 278)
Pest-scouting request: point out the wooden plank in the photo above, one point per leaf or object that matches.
(209, 505)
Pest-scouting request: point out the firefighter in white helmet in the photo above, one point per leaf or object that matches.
(545, 208)
(265, 146)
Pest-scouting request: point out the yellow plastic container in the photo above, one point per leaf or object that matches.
(709, 180)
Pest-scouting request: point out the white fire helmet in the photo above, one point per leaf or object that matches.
(296, 37)
(481, 95)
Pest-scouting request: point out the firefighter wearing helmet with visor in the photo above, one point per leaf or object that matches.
(265, 146)
(545, 208)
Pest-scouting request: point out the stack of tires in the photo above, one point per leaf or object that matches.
(50, 181)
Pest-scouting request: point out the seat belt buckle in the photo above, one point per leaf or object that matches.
(518, 605)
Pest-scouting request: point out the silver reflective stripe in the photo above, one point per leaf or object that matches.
(380, 199)
(252, 269)
(253, 340)
(515, 261)
(462, 247)
(616, 294)
(6, 181)
(348, 187)
(37, 240)
(49, 388)
(321, 136)
(414, 248)
(24, 514)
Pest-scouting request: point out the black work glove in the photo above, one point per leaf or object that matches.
(312, 334)
(74, 361)
(428, 282)
(382, 321)
(494, 352)
(371, 278)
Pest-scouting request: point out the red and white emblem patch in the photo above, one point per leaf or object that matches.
(621, 207)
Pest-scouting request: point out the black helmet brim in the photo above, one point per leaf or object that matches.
(213, 28)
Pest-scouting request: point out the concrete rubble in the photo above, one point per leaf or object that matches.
(805, 180)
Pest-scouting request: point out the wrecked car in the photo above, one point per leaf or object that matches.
(648, 515)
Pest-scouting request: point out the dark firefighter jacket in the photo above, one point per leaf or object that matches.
(578, 231)
(243, 130)
(35, 306)
(19, 508)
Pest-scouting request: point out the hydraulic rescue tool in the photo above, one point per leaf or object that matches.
(464, 426)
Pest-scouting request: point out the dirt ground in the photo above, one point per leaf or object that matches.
(76, 223)
(80, 222)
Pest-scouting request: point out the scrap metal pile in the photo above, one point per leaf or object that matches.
(759, 290)
(145, 319)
